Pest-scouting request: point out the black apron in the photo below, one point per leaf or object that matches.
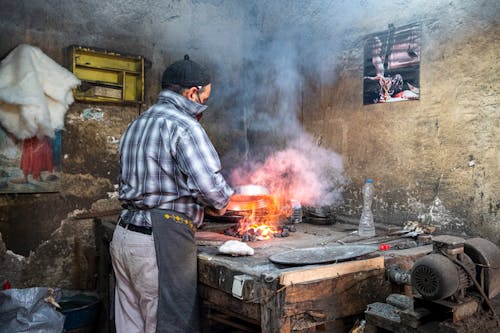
(176, 255)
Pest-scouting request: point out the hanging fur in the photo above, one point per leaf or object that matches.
(35, 93)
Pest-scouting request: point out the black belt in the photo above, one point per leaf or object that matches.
(136, 228)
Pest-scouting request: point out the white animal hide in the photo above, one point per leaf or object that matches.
(35, 93)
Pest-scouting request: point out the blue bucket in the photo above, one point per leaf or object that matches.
(81, 310)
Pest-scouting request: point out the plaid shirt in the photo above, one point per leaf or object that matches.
(167, 161)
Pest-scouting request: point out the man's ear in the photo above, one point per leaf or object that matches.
(190, 93)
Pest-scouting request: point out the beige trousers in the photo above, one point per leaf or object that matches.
(136, 292)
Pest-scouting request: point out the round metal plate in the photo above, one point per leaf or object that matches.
(321, 255)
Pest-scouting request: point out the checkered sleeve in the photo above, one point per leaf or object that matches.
(199, 160)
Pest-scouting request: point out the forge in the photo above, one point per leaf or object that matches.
(258, 214)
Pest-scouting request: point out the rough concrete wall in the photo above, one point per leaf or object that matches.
(35, 225)
(435, 160)
(68, 259)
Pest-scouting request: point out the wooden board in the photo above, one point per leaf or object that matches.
(308, 273)
(104, 92)
(337, 297)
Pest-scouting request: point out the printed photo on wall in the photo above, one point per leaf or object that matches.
(30, 166)
(392, 65)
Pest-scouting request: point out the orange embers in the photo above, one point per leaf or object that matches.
(260, 216)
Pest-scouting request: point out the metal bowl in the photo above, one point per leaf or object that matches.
(249, 197)
(251, 190)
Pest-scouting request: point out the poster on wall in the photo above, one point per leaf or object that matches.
(392, 65)
(30, 166)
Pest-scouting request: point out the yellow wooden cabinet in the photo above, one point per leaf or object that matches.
(107, 76)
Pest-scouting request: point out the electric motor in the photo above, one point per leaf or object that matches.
(455, 265)
(436, 276)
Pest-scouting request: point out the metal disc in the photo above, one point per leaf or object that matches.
(321, 255)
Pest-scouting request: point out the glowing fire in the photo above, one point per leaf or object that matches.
(260, 231)
(260, 216)
(261, 227)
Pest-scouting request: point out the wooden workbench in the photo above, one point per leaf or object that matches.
(255, 295)
(267, 297)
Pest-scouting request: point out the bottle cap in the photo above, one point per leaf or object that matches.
(384, 247)
(368, 180)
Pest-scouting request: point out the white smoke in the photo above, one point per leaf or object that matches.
(302, 171)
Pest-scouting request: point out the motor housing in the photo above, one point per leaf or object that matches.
(446, 272)
(436, 277)
(453, 266)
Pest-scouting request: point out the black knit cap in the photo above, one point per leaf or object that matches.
(185, 73)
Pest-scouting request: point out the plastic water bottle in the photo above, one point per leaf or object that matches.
(366, 225)
(296, 211)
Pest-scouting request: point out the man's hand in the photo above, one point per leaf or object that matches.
(215, 212)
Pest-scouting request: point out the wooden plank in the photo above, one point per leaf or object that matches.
(221, 275)
(305, 322)
(339, 297)
(223, 302)
(271, 313)
(308, 274)
(104, 92)
(104, 213)
(216, 275)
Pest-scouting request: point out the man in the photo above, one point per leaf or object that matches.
(388, 86)
(170, 174)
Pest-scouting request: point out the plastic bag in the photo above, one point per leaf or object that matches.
(30, 310)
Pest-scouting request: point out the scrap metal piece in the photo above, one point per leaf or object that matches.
(451, 245)
(380, 313)
(400, 301)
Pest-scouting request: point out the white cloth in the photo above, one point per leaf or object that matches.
(35, 93)
(136, 292)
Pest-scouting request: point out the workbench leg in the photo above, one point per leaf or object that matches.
(271, 315)
(205, 322)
